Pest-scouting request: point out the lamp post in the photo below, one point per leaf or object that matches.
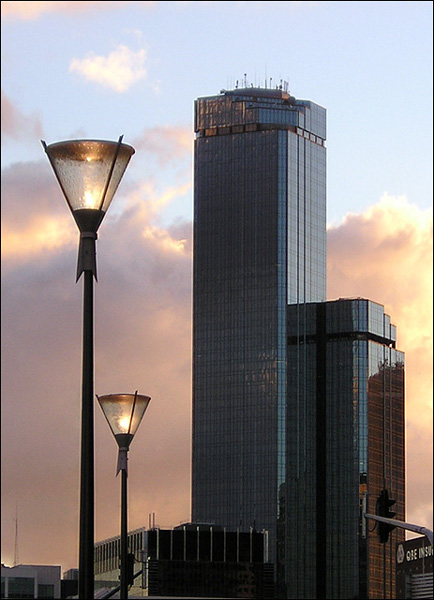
(124, 413)
(88, 172)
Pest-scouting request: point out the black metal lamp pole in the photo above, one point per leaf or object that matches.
(86, 540)
(87, 265)
(124, 413)
(124, 533)
(88, 172)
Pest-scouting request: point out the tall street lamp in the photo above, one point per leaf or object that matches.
(88, 172)
(124, 413)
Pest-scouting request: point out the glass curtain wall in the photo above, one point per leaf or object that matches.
(259, 243)
(346, 439)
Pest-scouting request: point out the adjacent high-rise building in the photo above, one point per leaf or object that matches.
(266, 448)
(345, 442)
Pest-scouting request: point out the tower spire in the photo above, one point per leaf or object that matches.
(16, 556)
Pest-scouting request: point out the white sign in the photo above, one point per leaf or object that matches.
(412, 554)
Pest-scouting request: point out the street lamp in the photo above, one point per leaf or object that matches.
(88, 172)
(124, 413)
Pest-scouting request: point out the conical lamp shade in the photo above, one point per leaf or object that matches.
(124, 413)
(89, 173)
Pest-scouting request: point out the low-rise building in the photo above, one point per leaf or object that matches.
(30, 581)
(199, 560)
(203, 560)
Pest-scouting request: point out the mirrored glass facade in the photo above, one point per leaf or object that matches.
(345, 438)
(259, 245)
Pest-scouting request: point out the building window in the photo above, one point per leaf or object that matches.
(45, 590)
(21, 587)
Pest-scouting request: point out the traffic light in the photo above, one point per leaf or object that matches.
(382, 510)
(130, 568)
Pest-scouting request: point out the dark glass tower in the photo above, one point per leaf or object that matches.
(259, 245)
(345, 439)
(298, 403)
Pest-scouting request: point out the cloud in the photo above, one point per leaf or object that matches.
(27, 233)
(143, 341)
(118, 71)
(16, 125)
(33, 9)
(385, 254)
(166, 143)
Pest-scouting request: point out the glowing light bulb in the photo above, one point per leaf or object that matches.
(89, 200)
(124, 423)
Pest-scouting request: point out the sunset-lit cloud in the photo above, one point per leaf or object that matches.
(44, 233)
(149, 200)
(15, 124)
(168, 143)
(143, 341)
(27, 234)
(118, 71)
(386, 255)
(163, 239)
(34, 9)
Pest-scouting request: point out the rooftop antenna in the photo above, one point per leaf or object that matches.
(16, 557)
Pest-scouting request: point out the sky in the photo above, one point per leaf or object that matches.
(103, 69)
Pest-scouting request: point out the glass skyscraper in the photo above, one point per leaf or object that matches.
(345, 441)
(272, 448)
(259, 244)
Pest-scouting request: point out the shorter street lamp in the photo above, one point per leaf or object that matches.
(124, 413)
(89, 173)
